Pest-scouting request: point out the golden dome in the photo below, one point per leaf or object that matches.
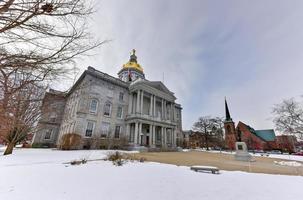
(132, 63)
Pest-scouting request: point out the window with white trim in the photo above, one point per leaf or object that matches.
(120, 112)
(48, 134)
(105, 129)
(89, 129)
(117, 131)
(107, 109)
(93, 107)
(121, 96)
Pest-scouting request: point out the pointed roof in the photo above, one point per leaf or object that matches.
(227, 114)
(267, 135)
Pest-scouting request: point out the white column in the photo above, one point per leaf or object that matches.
(154, 135)
(175, 137)
(171, 111)
(140, 132)
(150, 135)
(162, 109)
(165, 137)
(136, 133)
(127, 130)
(138, 101)
(151, 106)
(141, 109)
(162, 136)
(130, 103)
(154, 107)
(165, 110)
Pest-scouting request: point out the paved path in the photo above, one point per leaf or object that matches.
(222, 161)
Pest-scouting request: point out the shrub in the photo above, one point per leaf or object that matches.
(70, 141)
(41, 145)
(117, 158)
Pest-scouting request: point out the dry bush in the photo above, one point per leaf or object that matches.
(70, 141)
(119, 159)
(116, 157)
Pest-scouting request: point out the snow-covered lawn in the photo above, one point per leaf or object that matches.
(40, 174)
(280, 156)
(283, 156)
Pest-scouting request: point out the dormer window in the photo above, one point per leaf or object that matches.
(93, 106)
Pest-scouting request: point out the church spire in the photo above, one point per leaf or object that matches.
(227, 114)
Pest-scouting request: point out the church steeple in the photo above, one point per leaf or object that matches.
(230, 130)
(227, 114)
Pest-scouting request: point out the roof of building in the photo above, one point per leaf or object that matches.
(267, 135)
(98, 74)
(227, 114)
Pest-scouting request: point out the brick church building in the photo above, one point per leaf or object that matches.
(255, 139)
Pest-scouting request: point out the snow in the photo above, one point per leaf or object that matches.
(284, 156)
(40, 174)
(280, 156)
(288, 163)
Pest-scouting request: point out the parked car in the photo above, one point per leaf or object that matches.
(298, 153)
(275, 152)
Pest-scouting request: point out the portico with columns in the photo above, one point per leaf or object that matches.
(150, 121)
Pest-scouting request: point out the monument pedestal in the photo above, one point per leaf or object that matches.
(242, 153)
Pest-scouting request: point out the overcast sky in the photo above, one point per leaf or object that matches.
(249, 51)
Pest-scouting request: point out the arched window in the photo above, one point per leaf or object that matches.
(107, 109)
(93, 106)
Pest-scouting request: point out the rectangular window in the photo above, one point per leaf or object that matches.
(93, 106)
(48, 134)
(121, 95)
(89, 129)
(119, 112)
(107, 109)
(117, 131)
(105, 128)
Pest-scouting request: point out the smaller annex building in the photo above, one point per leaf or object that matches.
(254, 139)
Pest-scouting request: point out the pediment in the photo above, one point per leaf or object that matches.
(159, 85)
(156, 85)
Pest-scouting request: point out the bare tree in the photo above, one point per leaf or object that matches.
(209, 127)
(23, 114)
(289, 117)
(218, 134)
(40, 41)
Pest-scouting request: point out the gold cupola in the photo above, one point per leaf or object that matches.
(131, 70)
(132, 63)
